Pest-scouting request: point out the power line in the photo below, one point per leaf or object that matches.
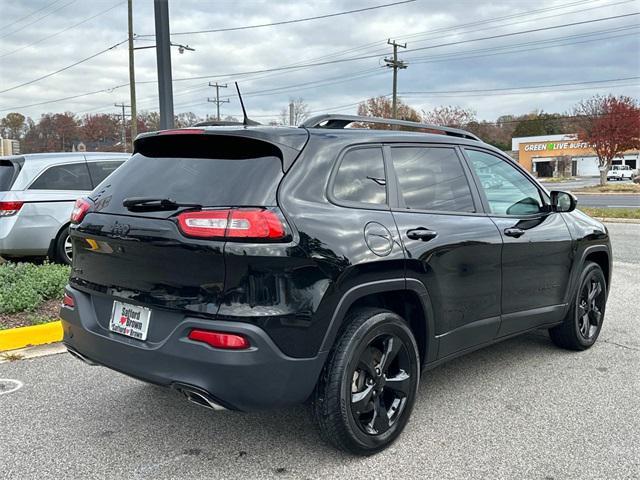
(526, 87)
(37, 19)
(64, 68)
(60, 31)
(363, 57)
(287, 22)
(294, 67)
(30, 14)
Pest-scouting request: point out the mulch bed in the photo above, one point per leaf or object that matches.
(49, 309)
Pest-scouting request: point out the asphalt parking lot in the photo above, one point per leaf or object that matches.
(519, 409)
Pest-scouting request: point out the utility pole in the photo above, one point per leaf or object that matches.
(291, 113)
(163, 56)
(396, 65)
(217, 100)
(124, 125)
(132, 77)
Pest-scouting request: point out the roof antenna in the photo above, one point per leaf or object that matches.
(245, 120)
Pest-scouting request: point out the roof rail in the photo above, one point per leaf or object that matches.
(330, 120)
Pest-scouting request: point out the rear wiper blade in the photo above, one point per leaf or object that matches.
(145, 204)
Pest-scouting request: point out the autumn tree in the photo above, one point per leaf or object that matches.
(13, 126)
(300, 112)
(611, 125)
(102, 131)
(382, 107)
(449, 116)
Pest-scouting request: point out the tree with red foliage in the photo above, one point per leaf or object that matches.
(611, 125)
(382, 107)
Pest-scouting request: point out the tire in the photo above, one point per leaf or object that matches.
(581, 327)
(355, 389)
(62, 253)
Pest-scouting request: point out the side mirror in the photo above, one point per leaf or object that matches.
(563, 201)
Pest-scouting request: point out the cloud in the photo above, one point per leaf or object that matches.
(219, 55)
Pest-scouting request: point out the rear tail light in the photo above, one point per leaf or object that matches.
(244, 223)
(80, 209)
(227, 341)
(10, 208)
(67, 301)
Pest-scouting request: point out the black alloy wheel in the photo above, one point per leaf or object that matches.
(367, 389)
(381, 384)
(591, 303)
(582, 325)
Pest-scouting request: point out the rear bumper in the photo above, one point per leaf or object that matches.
(254, 379)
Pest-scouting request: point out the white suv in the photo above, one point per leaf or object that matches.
(37, 193)
(620, 172)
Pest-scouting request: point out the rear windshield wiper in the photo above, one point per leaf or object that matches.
(144, 204)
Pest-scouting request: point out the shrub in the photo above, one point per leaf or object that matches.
(24, 286)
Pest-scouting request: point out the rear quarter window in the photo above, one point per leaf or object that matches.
(360, 178)
(72, 176)
(8, 173)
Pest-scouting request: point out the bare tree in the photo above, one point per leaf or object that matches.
(300, 112)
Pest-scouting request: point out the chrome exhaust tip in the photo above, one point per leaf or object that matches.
(200, 398)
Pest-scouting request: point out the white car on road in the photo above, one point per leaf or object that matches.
(620, 172)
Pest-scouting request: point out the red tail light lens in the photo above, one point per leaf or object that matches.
(246, 223)
(67, 301)
(10, 208)
(227, 341)
(80, 209)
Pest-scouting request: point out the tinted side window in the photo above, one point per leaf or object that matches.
(508, 190)
(64, 177)
(101, 170)
(432, 179)
(361, 177)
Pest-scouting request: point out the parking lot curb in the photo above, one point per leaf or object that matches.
(14, 338)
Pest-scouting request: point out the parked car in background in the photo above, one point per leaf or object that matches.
(258, 267)
(620, 172)
(37, 193)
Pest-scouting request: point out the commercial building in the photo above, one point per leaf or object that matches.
(563, 155)
(9, 147)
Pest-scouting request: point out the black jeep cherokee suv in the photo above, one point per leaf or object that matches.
(260, 267)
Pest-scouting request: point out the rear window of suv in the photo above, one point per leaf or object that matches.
(213, 171)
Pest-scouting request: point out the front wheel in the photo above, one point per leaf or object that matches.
(366, 392)
(582, 325)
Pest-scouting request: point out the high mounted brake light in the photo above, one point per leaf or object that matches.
(80, 209)
(241, 223)
(182, 131)
(10, 208)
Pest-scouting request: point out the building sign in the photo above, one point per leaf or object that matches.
(551, 146)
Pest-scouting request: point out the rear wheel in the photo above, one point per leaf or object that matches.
(64, 248)
(366, 392)
(582, 325)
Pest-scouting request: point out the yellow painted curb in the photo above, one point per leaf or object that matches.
(35, 335)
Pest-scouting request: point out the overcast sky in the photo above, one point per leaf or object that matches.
(573, 55)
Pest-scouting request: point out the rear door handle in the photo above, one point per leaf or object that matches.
(513, 232)
(421, 233)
